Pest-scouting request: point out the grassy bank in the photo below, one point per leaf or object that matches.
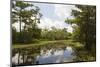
(47, 43)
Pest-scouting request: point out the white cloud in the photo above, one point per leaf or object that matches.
(63, 11)
(69, 29)
(45, 23)
(48, 23)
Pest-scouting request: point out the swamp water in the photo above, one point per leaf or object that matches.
(45, 56)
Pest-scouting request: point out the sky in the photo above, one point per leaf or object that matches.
(54, 15)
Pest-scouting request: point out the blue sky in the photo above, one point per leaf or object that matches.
(55, 15)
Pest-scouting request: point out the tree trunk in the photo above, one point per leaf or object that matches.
(19, 57)
(20, 37)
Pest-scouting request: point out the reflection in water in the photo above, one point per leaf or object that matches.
(57, 55)
(15, 59)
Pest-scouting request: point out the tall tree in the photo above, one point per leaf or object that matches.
(26, 13)
(85, 28)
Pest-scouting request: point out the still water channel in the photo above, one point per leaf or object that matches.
(46, 56)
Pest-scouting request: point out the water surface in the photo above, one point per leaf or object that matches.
(47, 56)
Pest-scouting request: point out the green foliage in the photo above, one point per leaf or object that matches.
(85, 29)
(22, 13)
(14, 35)
(55, 34)
(71, 21)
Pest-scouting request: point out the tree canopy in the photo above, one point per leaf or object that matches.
(29, 15)
(85, 28)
